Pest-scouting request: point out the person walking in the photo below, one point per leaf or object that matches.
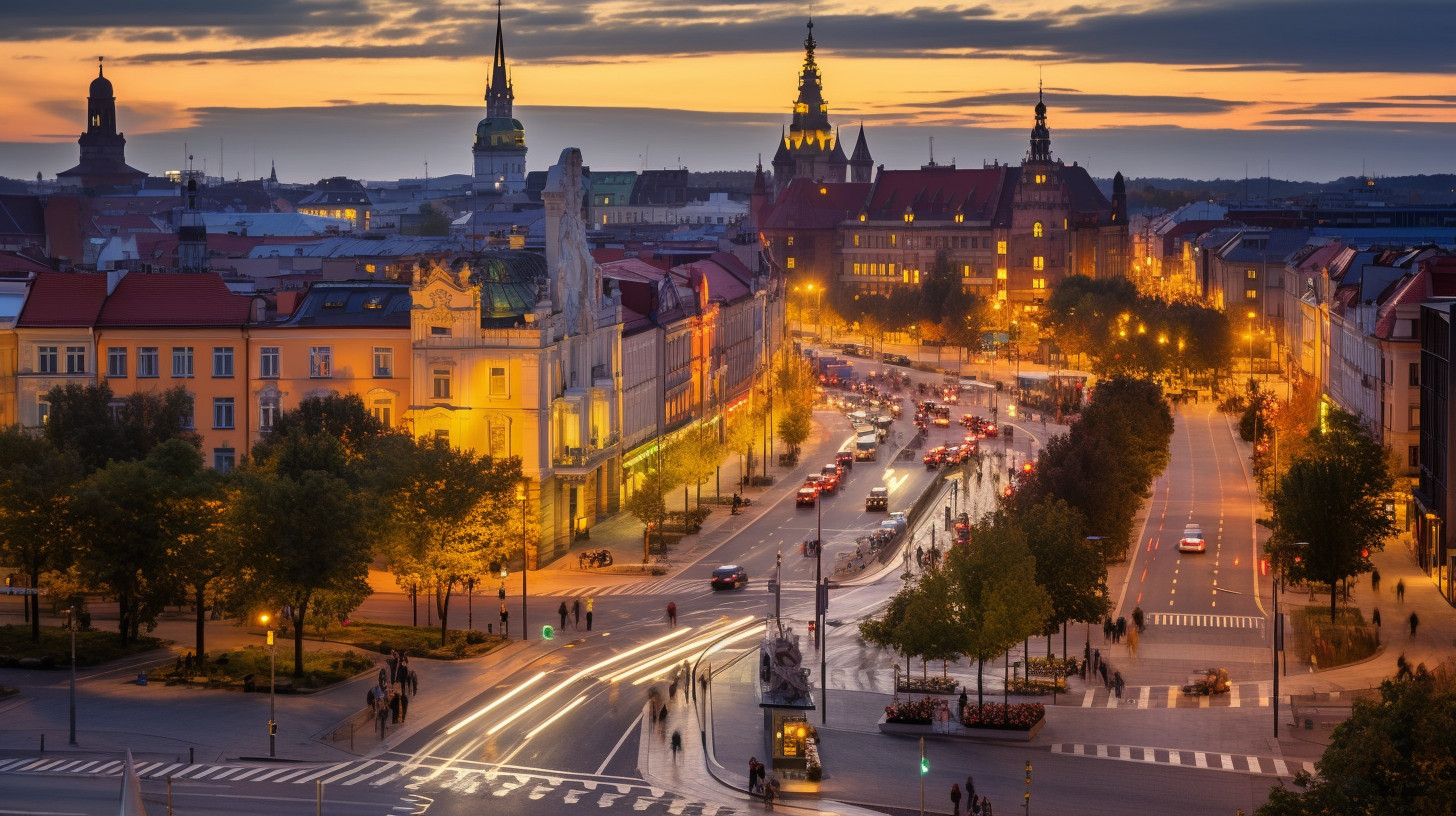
(955, 799)
(589, 603)
(1121, 629)
(414, 681)
(394, 707)
(1137, 617)
(505, 618)
(1414, 622)
(1102, 669)
(752, 775)
(676, 744)
(1117, 683)
(576, 613)
(1375, 581)
(561, 610)
(403, 707)
(1400, 590)
(671, 614)
(1107, 629)
(970, 792)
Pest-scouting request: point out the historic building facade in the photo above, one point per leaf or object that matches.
(103, 148)
(810, 148)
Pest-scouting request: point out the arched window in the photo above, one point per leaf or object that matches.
(1037, 231)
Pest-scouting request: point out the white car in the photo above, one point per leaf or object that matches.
(1192, 540)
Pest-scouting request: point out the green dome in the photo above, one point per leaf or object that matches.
(488, 127)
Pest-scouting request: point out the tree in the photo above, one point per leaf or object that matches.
(928, 628)
(345, 418)
(743, 433)
(124, 519)
(450, 516)
(432, 222)
(1394, 755)
(647, 505)
(36, 482)
(202, 550)
(1068, 567)
(309, 535)
(795, 425)
(99, 427)
(994, 594)
(1332, 500)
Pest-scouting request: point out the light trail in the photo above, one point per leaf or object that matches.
(496, 702)
(554, 717)
(645, 669)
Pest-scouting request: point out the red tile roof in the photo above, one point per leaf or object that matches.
(938, 193)
(63, 300)
(163, 299)
(809, 204)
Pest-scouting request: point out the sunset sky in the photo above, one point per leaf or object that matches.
(374, 89)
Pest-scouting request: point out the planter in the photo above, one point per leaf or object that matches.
(958, 731)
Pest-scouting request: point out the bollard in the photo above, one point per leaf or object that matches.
(192, 755)
(319, 809)
(42, 743)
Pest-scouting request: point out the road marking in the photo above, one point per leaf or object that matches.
(1200, 759)
(245, 774)
(1087, 698)
(363, 776)
(1281, 768)
(325, 772)
(1227, 762)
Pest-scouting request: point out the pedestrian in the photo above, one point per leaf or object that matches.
(576, 613)
(1117, 683)
(970, 791)
(1107, 629)
(414, 679)
(961, 704)
(1375, 618)
(1102, 669)
(671, 614)
(1096, 660)
(370, 700)
(394, 707)
(770, 793)
(589, 603)
(1400, 590)
(955, 799)
(1086, 659)
(383, 678)
(1415, 621)
(752, 774)
(1375, 580)
(561, 610)
(1137, 617)
(187, 662)
(1121, 629)
(505, 622)
(676, 744)
(403, 707)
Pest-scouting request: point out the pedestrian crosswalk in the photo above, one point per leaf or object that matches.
(668, 587)
(423, 781)
(1212, 621)
(1205, 760)
(1239, 695)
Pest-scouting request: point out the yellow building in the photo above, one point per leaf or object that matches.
(349, 337)
(53, 338)
(158, 331)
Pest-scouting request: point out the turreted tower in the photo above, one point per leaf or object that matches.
(810, 148)
(500, 140)
(103, 149)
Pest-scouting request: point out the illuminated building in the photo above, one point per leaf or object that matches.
(340, 197)
(54, 338)
(810, 147)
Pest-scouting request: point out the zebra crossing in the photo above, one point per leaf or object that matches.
(1209, 621)
(676, 587)
(423, 781)
(1203, 760)
(1240, 695)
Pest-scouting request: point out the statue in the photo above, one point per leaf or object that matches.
(787, 681)
(575, 267)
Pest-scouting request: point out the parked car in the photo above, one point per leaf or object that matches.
(806, 496)
(934, 458)
(1192, 540)
(730, 576)
(879, 499)
(845, 459)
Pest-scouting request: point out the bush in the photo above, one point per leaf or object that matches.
(415, 641)
(93, 647)
(320, 669)
(1327, 644)
(1037, 687)
(1020, 716)
(911, 712)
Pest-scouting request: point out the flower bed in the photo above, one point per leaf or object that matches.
(927, 685)
(1034, 686)
(1055, 667)
(1017, 716)
(911, 712)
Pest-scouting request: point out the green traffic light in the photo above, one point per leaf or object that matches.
(547, 633)
(924, 765)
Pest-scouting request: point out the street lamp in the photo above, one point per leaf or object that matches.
(525, 563)
(272, 689)
(1251, 346)
(71, 624)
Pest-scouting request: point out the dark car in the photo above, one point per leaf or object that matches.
(844, 459)
(730, 576)
(896, 359)
(879, 499)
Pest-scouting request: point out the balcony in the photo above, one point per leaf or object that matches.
(573, 461)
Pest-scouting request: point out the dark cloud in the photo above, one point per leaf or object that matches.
(261, 18)
(1088, 103)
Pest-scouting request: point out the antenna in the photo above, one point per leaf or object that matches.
(932, 151)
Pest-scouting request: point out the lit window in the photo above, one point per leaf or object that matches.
(148, 361)
(1036, 230)
(181, 361)
(960, 218)
(791, 262)
(75, 359)
(894, 240)
(1038, 263)
(1000, 247)
(268, 410)
(46, 359)
(789, 241)
(1251, 294)
(383, 361)
(440, 378)
(1038, 283)
(43, 411)
(966, 271)
(1000, 274)
(222, 361)
(116, 362)
(268, 361)
(321, 361)
(856, 239)
(1251, 274)
(222, 412)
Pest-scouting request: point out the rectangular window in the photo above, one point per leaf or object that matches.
(321, 361)
(75, 359)
(1415, 417)
(222, 361)
(224, 459)
(222, 412)
(1000, 274)
(498, 382)
(268, 362)
(439, 331)
(1038, 263)
(791, 262)
(1413, 456)
(267, 413)
(189, 421)
(181, 361)
(440, 378)
(1251, 274)
(1251, 294)
(789, 241)
(856, 239)
(383, 361)
(442, 434)
(47, 359)
(1415, 374)
(43, 411)
(148, 361)
(1038, 283)
(383, 410)
(1000, 247)
(116, 362)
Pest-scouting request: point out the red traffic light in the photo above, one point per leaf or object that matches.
(1364, 552)
(1026, 467)
(1007, 492)
(1263, 566)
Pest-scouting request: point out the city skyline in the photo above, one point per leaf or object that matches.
(1149, 89)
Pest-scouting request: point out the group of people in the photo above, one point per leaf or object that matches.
(1093, 664)
(978, 805)
(389, 697)
(760, 783)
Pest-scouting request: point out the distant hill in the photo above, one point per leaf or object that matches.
(1167, 194)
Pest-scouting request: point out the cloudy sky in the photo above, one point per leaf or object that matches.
(1311, 89)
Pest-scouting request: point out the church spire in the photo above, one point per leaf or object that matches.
(499, 95)
(1041, 136)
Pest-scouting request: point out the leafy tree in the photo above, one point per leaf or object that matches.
(743, 433)
(450, 515)
(309, 536)
(99, 427)
(647, 505)
(1068, 567)
(928, 628)
(1332, 499)
(36, 480)
(342, 417)
(202, 550)
(994, 595)
(795, 426)
(124, 519)
(1394, 755)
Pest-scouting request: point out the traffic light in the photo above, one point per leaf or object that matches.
(924, 763)
(547, 632)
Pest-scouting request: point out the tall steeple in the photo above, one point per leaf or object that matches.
(811, 147)
(499, 95)
(811, 112)
(1041, 137)
(861, 164)
(103, 149)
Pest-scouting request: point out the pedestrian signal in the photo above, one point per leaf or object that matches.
(924, 764)
(547, 633)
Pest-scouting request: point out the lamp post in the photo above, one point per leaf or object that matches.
(71, 624)
(272, 690)
(521, 496)
(1251, 346)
